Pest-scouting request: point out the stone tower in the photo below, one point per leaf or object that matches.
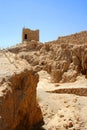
(28, 35)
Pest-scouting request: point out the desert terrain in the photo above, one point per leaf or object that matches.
(62, 111)
(44, 86)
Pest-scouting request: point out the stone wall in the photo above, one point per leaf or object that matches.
(77, 38)
(30, 35)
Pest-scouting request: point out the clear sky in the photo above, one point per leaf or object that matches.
(52, 17)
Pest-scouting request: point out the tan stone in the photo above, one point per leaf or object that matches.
(56, 75)
(29, 35)
(66, 54)
(18, 105)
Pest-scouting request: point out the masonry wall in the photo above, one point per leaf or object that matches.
(31, 35)
(78, 38)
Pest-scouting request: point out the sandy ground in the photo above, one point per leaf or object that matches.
(62, 111)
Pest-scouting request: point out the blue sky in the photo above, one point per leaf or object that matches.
(52, 17)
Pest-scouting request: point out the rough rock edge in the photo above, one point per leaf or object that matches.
(18, 106)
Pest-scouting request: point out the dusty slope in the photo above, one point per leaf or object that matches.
(62, 111)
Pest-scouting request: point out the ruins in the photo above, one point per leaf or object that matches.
(29, 35)
(32, 72)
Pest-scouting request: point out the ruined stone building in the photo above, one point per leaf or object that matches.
(29, 35)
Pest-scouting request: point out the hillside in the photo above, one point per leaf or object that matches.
(54, 74)
(66, 60)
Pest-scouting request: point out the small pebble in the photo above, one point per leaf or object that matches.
(70, 124)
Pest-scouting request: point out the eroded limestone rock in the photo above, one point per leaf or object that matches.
(19, 109)
(68, 54)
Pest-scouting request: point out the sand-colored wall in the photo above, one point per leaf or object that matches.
(31, 35)
(78, 38)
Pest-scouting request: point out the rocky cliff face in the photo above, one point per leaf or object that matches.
(64, 58)
(18, 105)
